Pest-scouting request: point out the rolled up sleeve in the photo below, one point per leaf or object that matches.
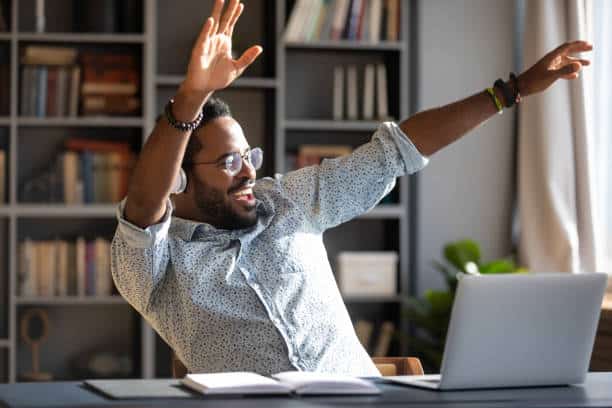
(143, 237)
(139, 258)
(340, 189)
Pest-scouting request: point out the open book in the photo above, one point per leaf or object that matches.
(287, 382)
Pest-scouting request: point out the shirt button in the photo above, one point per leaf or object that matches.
(275, 321)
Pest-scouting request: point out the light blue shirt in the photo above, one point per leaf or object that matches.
(262, 299)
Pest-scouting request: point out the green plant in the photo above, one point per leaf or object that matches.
(430, 315)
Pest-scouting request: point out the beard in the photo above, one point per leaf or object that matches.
(215, 205)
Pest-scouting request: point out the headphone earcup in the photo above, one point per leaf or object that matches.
(180, 183)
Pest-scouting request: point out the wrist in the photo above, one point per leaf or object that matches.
(188, 103)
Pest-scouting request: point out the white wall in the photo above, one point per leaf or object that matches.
(467, 189)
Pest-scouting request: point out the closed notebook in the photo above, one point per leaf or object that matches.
(302, 383)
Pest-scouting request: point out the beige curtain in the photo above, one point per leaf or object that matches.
(557, 207)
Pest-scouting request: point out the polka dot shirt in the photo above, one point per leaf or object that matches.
(262, 299)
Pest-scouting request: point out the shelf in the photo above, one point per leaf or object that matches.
(347, 45)
(5, 36)
(71, 300)
(5, 120)
(386, 211)
(245, 82)
(332, 125)
(5, 343)
(82, 38)
(63, 210)
(372, 299)
(80, 121)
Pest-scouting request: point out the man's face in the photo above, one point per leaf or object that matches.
(224, 200)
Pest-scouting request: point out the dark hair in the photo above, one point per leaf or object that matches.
(213, 108)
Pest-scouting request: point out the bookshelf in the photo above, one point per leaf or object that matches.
(263, 101)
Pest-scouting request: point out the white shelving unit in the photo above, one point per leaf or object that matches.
(261, 100)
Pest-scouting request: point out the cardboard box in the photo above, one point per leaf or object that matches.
(367, 273)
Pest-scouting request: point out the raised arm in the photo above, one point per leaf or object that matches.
(211, 67)
(433, 129)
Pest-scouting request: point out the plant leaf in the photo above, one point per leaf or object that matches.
(499, 266)
(459, 253)
(441, 302)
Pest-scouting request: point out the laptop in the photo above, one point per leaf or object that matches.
(518, 330)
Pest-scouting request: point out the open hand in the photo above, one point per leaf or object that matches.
(211, 66)
(557, 64)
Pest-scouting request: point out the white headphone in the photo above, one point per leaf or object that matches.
(180, 183)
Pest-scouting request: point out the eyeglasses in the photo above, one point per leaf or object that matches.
(233, 161)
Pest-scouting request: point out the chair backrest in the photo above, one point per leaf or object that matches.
(386, 365)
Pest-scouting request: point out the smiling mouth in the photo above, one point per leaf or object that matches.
(244, 196)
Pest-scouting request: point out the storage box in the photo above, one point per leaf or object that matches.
(367, 273)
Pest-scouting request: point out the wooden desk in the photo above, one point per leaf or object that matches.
(601, 359)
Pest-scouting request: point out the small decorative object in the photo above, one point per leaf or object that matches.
(103, 362)
(34, 329)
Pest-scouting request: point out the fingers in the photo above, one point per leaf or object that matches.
(583, 62)
(569, 71)
(227, 16)
(216, 14)
(248, 57)
(232, 23)
(205, 33)
(574, 47)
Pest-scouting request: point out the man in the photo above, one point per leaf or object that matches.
(233, 274)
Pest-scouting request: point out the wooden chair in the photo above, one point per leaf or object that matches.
(386, 365)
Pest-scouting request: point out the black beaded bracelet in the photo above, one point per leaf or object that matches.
(508, 97)
(177, 124)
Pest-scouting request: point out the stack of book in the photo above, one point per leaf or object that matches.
(49, 81)
(375, 95)
(111, 83)
(357, 20)
(64, 268)
(88, 171)
(101, 167)
(308, 155)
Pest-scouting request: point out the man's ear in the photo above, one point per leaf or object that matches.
(180, 183)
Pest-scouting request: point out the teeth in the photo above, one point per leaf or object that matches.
(244, 192)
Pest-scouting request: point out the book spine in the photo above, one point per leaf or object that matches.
(338, 92)
(352, 92)
(41, 96)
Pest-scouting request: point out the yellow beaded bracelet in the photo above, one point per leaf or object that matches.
(498, 105)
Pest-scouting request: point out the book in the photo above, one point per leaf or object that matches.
(288, 382)
(2, 177)
(48, 55)
(384, 339)
(338, 92)
(382, 110)
(363, 330)
(351, 97)
(340, 19)
(368, 92)
(375, 20)
(309, 155)
(295, 21)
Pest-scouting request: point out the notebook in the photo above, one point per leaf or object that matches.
(288, 382)
(128, 389)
